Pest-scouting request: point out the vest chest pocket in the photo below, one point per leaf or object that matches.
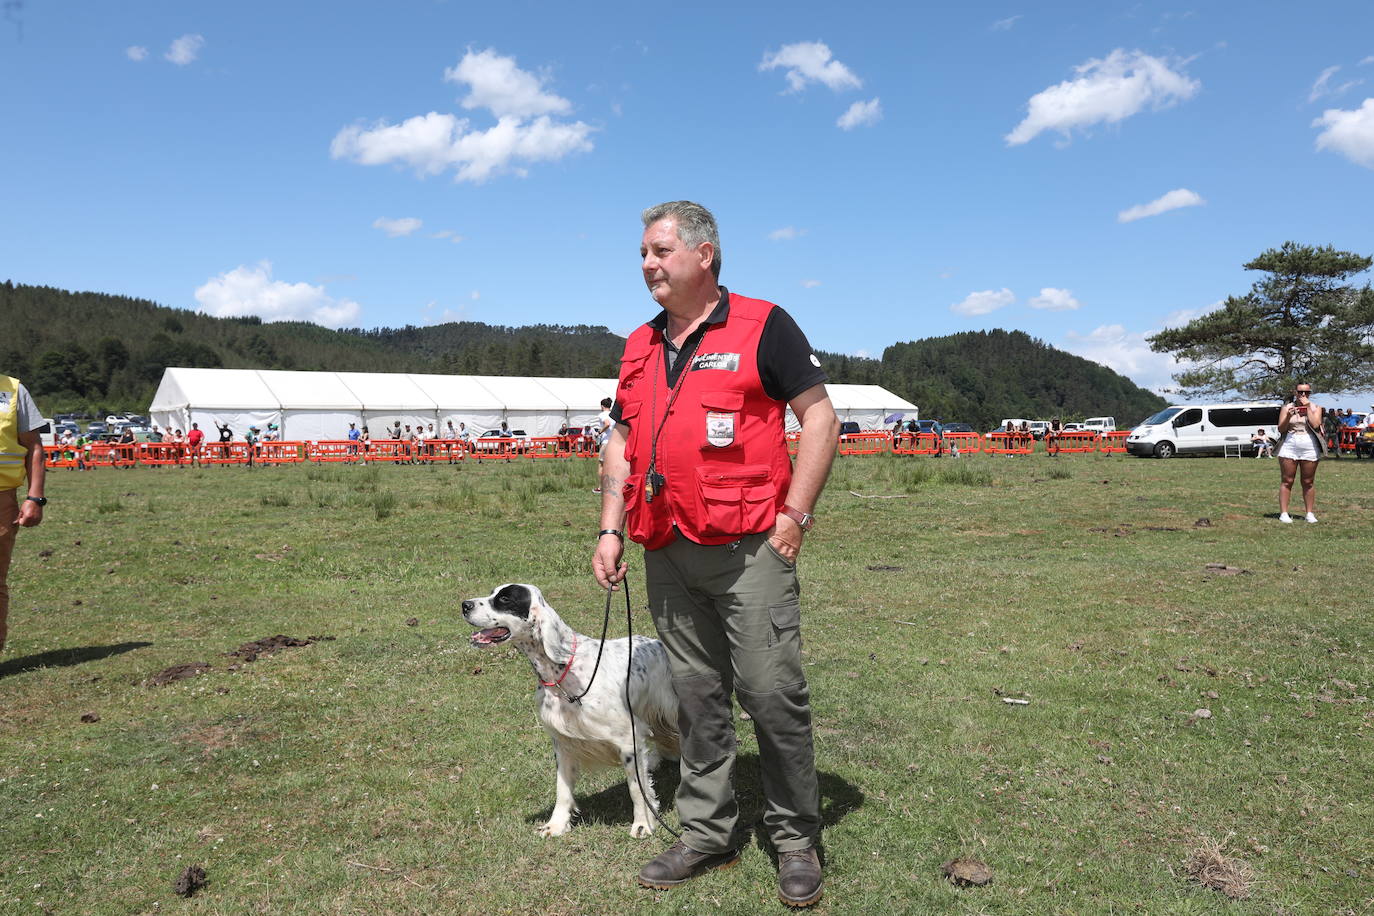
(735, 502)
(722, 411)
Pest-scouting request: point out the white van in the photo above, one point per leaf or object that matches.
(1202, 429)
(1100, 424)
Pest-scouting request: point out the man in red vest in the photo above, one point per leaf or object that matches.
(697, 466)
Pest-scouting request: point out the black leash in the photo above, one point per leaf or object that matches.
(605, 628)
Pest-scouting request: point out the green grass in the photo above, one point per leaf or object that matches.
(394, 769)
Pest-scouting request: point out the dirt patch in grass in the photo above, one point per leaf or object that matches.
(177, 673)
(1209, 866)
(269, 645)
(967, 872)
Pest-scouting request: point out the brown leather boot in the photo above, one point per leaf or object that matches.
(680, 862)
(799, 877)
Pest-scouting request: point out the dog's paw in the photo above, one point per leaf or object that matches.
(641, 830)
(555, 828)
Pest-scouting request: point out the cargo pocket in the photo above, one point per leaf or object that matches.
(735, 502)
(786, 642)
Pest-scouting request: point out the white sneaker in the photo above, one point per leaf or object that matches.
(1311, 519)
(1284, 517)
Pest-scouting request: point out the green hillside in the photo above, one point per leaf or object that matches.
(100, 353)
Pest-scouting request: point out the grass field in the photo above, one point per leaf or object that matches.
(394, 769)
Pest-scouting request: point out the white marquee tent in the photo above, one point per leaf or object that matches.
(320, 405)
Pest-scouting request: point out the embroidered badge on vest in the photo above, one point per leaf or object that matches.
(720, 428)
(727, 362)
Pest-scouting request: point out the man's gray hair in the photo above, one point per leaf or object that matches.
(695, 225)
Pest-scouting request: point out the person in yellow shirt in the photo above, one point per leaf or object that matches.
(21, 458)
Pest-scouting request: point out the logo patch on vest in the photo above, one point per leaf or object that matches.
(720, 428)
(4, 400)
(727, 362)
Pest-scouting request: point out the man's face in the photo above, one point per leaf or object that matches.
(673, 271)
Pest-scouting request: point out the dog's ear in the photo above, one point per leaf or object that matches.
(542, 619)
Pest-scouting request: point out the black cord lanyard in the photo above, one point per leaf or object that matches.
(672, 397)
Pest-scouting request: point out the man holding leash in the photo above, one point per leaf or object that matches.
(697, 464)
(21, 457)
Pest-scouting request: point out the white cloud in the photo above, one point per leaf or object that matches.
(185, 49)
(405, 225)
(786, 234)
(449, 234)
(810, 62)
(136, 52)
(810, 284)
(1367, 60)
(861, 114)
(1106, 91)
(502, 88)
(1322, 87)
(252, 291)
(1350, 133)
(1055, 300)
(476, 294)
(1129, 353)
(1179, 197)
(434, 142)
(981, 303)
(1003, 25)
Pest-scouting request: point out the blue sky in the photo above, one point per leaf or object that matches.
(1088, 172)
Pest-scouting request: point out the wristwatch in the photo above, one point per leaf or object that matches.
(41, 500)
(804, 519)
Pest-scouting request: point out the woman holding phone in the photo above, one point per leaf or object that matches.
(1300, 422)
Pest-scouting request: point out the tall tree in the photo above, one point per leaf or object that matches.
(1302, 321)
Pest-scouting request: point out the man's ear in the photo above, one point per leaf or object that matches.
(707, 253)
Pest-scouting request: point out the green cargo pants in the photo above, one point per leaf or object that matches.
(730, 617)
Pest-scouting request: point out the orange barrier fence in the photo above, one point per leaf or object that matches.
(332, 450)
(224, 453)
(506, 448)
(1009, 443)
(281, 452)
(114, 454)
(864, 443)
(966, 443)
(1114, 443)
(158, 454)
(917, 444)
(550, 447)
(1076, 441)
(56, 456)
(449, 450)
(393, 450)
(793, 443)
(1348, 441)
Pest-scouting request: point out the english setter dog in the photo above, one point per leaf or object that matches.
(594, 730)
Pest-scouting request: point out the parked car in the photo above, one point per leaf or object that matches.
(97, 430)
(1201, 429)
(115, 419)
(849, 426)
(494, 440)
(1073, 427)
(1100, 424)
(1039, 428)
(958, 428)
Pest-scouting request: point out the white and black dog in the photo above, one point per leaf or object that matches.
(596, 729)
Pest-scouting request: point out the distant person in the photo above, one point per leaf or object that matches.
(604, 425)
(21, 459)
(155, 435)
(1331, 428)
(366, 440)
(252, 437)
(1301, 449)
(354, 438)
(226, 435)
(1350, 419)
(194, 439)
(465, 435)
(1264, 448)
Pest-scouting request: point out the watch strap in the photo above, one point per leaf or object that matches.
(803, 519)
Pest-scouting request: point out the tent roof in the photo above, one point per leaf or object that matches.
(212, 388)
(310, 390)
(866, 397)
(522, 393)
(386, 391)
(458, 392)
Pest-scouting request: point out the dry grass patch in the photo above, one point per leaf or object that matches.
(1209, 866)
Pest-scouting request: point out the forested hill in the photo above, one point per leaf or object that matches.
(983, 377)
(102, 353)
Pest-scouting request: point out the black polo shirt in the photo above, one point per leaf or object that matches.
(787, 364)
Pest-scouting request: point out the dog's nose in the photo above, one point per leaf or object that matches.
(468, 605)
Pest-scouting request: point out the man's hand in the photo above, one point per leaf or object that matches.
(786, 538)
(30, 514)
(607, 563)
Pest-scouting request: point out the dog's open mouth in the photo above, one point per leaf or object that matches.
(490, 636)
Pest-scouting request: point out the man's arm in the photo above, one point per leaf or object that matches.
(815, 454)
(607, 565)
(30, 513)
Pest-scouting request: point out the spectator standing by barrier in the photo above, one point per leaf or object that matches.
(366, 440)
(252, 437)
(194, 439)
(722, 586)
(465, 435)
(1301, 449)
(226, 435)
(21, 459)
(354, 436)
(604, 425)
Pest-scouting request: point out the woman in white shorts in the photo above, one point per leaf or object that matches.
(1301, 449)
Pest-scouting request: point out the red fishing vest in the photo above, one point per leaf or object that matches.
(721, 450)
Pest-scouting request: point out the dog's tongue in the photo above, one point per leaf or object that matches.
(490, 634)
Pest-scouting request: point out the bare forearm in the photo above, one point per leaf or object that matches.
(815, 455)
(614, 469)
(36, 467)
